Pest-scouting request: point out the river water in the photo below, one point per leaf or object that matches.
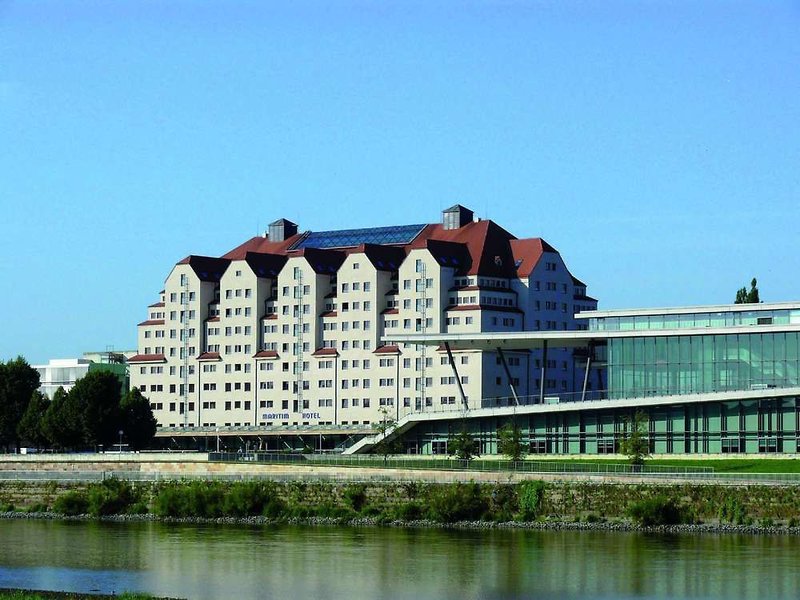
(205, 562)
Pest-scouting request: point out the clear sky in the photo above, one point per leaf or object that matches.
(655, 144)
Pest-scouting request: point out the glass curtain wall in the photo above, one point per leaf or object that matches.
(670, 365)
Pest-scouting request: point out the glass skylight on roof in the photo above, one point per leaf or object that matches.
(346, 238)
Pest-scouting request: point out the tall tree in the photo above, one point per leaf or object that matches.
(381, 427)
(745, 297)
(138, 421)
(62, 424)
(636, 444)
(18, 381)
(31, 426)
(96, 397)
(509, 442)
(464, 446)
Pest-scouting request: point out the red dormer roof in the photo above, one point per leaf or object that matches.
(271, 316)
(325, 352)
(329, 313)
(266, 354)
(151, 322)
(143, 358)
(156, 305)
(390, 311)
(209, 356)
(387, 350)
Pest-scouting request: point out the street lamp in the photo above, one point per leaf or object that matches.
(218, 439)
(120, 440)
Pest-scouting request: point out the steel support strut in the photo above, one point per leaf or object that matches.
(508, 375)
(455, 372)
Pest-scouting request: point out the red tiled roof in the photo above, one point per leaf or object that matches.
(266, 354)
(383, 258)
(390, 311)
(328, 313)
(209, 356)
(325, 352)
(152, 322)
(485, 288)
(262, 245)
(265, 265)
(527, 254)
(213, 319)
(387, 350)
(156, 305)
(484, 307)
(270, 316)
(147, 358)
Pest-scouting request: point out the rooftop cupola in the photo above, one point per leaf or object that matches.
(456, 217)
(281, 230)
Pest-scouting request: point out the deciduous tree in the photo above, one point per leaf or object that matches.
(31, 427)
(18, 381)
(138, 421)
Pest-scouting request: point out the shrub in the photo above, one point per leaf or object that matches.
(196, 499)
(793, 522)
(459, 502)
(503, 502)
(38, 507)
(356, 496)
(732, 511)
(531, 495)
(248, 498)
(408, 511)
(658, 510)
(111, 497)
(71, 504)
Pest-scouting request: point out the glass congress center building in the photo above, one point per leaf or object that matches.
(710, 380)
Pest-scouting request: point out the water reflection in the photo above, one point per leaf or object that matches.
(207, 562)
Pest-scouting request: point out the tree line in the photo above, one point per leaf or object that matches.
(90, 415)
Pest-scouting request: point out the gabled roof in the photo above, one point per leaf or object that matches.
(207, 268)
(209, 356)
(383, 258)
(527, 254)
(156, 305)
(266, 354)
(265, 265)
(324, 262)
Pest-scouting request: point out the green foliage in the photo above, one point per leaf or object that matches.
(252, 498)
(733, 511)
(18, 381)
(457, 502)
(463, 446)
(138, 421)
(408, 511)
(61, 424)
(95, 398)
(635, 444)
(206, 499)
(531, 495)
(386, 447)
(503, 502)
(111, 497)
(658, 510)
(72, 504)
(30, 427)
(509, 442)
(356, 496)
(745, 297)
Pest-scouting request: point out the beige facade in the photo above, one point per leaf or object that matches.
(279, 332)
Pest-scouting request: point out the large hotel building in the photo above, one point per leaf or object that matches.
(287, 330)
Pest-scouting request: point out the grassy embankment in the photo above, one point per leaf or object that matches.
(385, 503)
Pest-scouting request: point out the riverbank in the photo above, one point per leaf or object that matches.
(529, 504)
(14, 594)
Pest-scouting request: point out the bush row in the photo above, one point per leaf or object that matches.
(444, 503)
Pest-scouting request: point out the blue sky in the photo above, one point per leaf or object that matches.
(655, 144)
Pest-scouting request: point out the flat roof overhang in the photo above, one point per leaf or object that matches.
(532, 340)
